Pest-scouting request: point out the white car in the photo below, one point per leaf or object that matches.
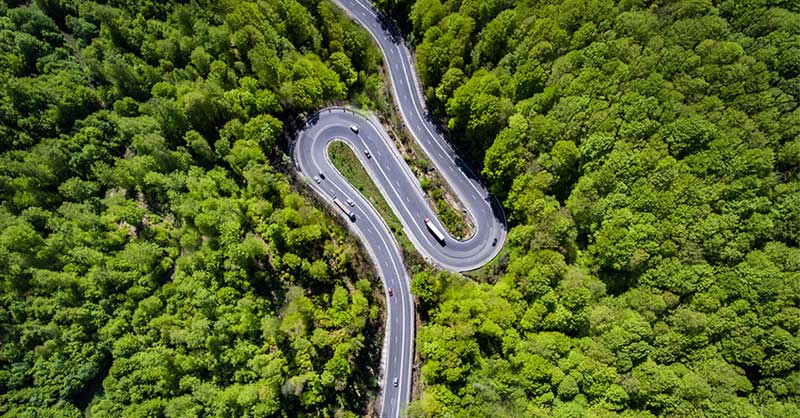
(394, 382)
(317, 179)
(354, 128)
(350, 202)
(366, 152)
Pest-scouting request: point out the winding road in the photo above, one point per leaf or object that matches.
(403, 193)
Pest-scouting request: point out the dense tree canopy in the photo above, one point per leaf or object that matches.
(154, 261)
(647, 153)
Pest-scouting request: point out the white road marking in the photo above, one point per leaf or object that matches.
(418, 109)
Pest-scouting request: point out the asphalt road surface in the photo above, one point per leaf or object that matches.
(403, 193)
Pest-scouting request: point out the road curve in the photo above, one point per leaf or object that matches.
(485, 211)
(403, 193)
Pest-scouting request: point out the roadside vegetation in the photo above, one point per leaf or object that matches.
(376, 97)
(345, 160)
(440, 196)
(154, 260)
(648, 155)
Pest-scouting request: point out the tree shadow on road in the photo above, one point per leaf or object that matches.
(389, 26)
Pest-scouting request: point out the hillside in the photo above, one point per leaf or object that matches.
(154, 260)
(648, 154)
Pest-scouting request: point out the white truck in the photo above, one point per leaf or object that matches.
(345, 209)
(434, 230)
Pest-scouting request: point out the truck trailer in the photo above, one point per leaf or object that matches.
(345, 209)
(434, 230)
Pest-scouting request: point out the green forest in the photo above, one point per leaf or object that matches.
(154, 259)
(158, 259)
(648, 155)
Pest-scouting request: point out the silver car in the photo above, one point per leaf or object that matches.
(317, 179)
(350, 202)
(354, 128)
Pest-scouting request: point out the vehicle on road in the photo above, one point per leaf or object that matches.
(494, 242)
(317, 179)
(321, 175)
(434, 230)
(377, 239)
(345, 209)
(350, 202)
